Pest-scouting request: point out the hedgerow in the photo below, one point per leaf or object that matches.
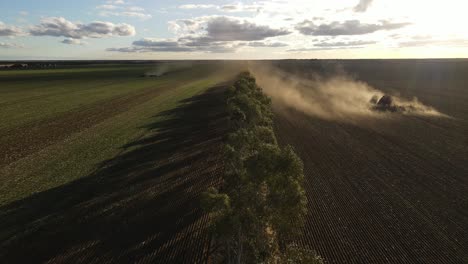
(261, 204)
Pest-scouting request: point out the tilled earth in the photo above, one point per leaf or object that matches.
(383, 191)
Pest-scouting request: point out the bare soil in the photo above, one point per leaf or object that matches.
(385, 191)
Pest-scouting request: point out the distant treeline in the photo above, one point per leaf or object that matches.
(260, 207)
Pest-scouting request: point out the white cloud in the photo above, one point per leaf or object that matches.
(136, 9)
(108, 7)
(349, 27)
(192, 6)
(238, 7)
(7, 30)
(363, 5)
(5, 45)
(118, 9)
(333, 45)
(60, 27)
(429, 42)
(126, 14)
(116, 2)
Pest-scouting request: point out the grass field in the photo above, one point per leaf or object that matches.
(102, 165)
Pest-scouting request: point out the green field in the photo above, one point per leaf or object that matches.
(58, 125)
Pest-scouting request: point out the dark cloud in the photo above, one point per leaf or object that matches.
(193, 44)
(70, 41)
(181, 45)
(259, 44)
(6, 30)
(362, 5)
(227, 29)
(350, 27)
(155, 43)
(138, 49)
(212, 35)
(60, 27)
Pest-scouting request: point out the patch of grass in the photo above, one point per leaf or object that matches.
(24, 100)
(81, 153)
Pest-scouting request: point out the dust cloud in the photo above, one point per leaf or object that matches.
(339, 97)
(164, 68)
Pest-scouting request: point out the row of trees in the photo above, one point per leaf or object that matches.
(261, 205)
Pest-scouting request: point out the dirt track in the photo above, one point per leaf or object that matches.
(391, 191)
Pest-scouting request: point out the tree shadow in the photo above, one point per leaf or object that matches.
(141, 206)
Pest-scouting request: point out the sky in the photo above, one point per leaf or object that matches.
(223, 29)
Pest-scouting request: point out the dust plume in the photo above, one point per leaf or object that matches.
(338, 97)
(166, 67)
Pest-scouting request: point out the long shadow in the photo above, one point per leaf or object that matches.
(141, 206)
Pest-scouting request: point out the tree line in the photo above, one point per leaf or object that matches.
(261, 205)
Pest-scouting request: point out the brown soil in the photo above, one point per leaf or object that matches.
(388, 191)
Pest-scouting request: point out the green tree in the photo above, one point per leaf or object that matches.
(262, 203)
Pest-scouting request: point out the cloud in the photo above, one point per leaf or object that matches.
(189, 44)
(116, 2)
(241, 8)
(344, 44)
(213, 30)
(108, 7)
(155, 43)
(229, 29)
(71, 41)
(192, 6)
(60, 27)
(362, 6)
(180, 45)
(123, 11)
(126, 14)
(134, 14)
(334, 45)
(5, 45)
(434, 42)
(6, 30)
(213, 34)
(136, 9)
(259, 44)
(350, 27)
(226, 8)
